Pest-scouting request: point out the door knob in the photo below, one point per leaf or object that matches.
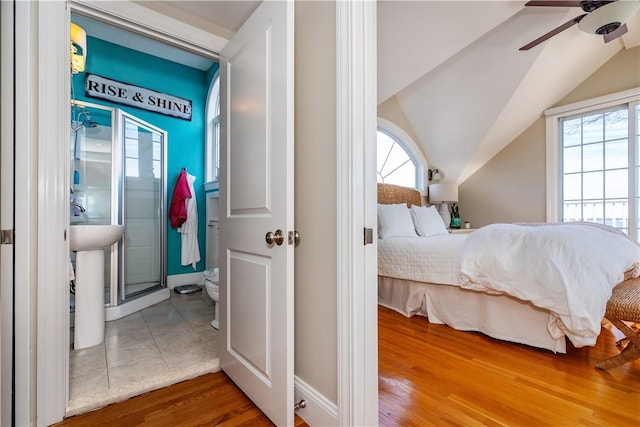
(277, 237)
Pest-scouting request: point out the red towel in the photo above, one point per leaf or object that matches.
(178, 208)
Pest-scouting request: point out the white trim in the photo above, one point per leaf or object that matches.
(6, 209)
(25, 224)
(604, 101)
(149, 23)
(552, 165)
(355, 123)
(319, 411)
(410, 145)
(553, 137)
(210, 140)
(53, 130)
(137, 304)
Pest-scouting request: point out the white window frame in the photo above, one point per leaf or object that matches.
(211, 141)
(410, 147)
(553, 167)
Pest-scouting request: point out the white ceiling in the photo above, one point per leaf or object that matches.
(455, 70)
(454, 67)
(222, 18)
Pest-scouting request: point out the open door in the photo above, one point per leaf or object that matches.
(256, 201)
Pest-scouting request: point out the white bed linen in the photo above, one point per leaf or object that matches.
(498, 316)
(434, 259)
(568, 269)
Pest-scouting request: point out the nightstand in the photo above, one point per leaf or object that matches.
(461, 230)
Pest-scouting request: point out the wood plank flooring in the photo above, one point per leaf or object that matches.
(209, 400)
(430, 375)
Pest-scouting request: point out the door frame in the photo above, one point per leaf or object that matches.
(7, 103)
(356, 122)
(46, 325)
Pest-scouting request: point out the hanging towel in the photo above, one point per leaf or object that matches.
(189, 229)
(178, 208)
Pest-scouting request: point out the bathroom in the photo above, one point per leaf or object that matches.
(147, 308)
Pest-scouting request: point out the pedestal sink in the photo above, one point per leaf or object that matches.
(89, 242)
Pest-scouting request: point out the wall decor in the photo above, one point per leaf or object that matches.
(135, 96)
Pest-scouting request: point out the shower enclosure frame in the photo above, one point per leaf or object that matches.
(117, 266)
(119, 208)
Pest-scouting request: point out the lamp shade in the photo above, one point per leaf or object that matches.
(443, 192)
(78, 48)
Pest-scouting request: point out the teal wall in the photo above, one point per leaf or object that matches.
(185, 139)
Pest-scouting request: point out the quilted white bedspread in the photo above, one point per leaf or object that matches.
(434, 259)
(569, 269)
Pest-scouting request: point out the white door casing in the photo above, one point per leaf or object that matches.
(256, 197)
(6, 211)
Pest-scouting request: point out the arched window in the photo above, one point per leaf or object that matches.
(212, 154)
(399, 159)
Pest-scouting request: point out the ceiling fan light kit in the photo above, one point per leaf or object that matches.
(609, 17)
(602, 17)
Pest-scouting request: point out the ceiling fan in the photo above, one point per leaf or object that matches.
(602, 17)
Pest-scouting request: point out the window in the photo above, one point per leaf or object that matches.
(398, 159)
(597, 167)
(212, 154)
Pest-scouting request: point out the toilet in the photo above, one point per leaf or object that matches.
(211, 277)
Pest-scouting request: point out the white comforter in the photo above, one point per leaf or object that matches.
(434, 259)
(568, 269)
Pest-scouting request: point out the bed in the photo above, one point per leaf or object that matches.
(424, 276)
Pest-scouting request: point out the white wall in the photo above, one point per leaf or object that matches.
(511, 187)
(315, 194)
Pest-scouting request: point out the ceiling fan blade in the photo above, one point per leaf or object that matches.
(554, 3)
(622, 29)
(553, 32)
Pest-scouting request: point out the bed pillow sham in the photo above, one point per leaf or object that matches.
(395, 221)
(428, 221)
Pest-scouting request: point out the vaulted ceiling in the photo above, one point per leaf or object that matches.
(467, 91)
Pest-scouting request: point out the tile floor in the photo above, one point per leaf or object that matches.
(161, 345)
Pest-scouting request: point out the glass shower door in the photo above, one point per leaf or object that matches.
(142, 209)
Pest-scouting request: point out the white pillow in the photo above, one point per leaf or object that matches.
(395, 221)
(428, 221)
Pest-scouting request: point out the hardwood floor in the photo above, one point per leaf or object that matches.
(430, 375)
(209, 400)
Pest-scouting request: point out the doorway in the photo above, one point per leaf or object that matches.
(153, 337)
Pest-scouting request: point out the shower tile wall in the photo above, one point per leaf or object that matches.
(160, 345)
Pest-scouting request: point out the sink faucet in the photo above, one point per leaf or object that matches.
(79, 206)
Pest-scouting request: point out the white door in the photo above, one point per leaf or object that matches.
(256, 197)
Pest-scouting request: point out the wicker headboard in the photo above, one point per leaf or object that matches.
(392, 194)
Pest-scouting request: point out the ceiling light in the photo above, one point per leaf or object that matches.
(609, 17)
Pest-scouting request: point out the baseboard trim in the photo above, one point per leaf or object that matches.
(319, 411)
(185, 279)
(135, 305)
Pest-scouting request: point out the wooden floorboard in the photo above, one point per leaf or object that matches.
(429, 375)
(209, 400)
(433, 375)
